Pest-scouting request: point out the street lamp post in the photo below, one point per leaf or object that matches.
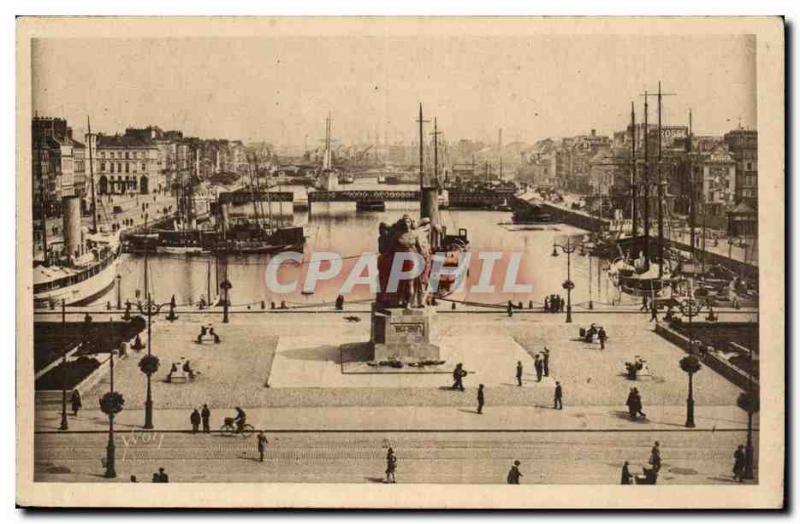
(568, 284)
(226, 286)
(749, 402)
(690, 365)
(146, 369)
(591, 304)
(111, 403)
(64, 424)
(119, 292)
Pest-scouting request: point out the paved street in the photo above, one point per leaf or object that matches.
(548, 457)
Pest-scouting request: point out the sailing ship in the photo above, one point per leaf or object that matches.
(190, 235)
(451, 247)
(81, 268)
(635, 272)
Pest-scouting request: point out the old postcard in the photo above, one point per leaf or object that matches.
(400, 262)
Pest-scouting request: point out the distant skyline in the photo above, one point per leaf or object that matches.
(280, 90)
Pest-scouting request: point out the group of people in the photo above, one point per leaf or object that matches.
(634, 403)
(649, 475)
(595, 332)
(541, 366)
(554, 304)
(186, 368)
(208, 331)
(204, 416)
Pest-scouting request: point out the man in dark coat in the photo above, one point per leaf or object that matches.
(601, 334)
(557, 397)
(262, 445)
(519, 373)
(626, 475)
(194, 418)
(537, 365)
(205, 414)
(514, 474)
(655, 457)
(458, 377)
(480, 399)
(546, 362)
(391, 466)
(75, 399)
(738, 463)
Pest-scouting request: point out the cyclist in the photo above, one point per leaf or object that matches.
(241, 418)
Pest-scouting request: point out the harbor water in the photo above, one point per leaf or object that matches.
(338, 228)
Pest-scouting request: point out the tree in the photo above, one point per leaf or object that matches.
(149, 364)
(690, 365)
(112, 403)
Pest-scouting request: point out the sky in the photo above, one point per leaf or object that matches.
(281, 89)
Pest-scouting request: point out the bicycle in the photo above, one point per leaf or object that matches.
(230, 428)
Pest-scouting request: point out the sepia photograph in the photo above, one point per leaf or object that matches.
(400, 262)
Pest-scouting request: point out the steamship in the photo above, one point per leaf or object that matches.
(78, 270)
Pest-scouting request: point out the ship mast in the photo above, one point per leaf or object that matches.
(646, 188)
(91, 176)
(692, 204)
(660, 194)
(634, 187)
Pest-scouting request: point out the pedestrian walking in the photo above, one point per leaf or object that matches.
(510, 309)
(738, 463)
(391, 466)
(514, 473)
(205, 415)
(519, 373)
(655, 457)
(458, 377)
(601, 335)
(480, 399)
(634, 403)
(160, 476)
(644, 304)
(654, 312)
(75, 400)
(194, 418)
(638, 403)
(538, 366)
(559, 393)
(626, 478)
(262, 445)
(546, 361)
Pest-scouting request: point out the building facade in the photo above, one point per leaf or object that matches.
(127, 164)
(743, 145)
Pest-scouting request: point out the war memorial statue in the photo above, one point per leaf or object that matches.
(401, 319)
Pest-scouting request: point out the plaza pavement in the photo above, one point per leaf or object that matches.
(329, 431)
(237, 371)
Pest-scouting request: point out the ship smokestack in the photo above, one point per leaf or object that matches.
(71, 214)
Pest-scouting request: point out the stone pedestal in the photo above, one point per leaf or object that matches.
(402, 334)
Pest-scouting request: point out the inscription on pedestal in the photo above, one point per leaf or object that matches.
(402, 334)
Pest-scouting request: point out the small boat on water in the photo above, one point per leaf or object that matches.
(532, 214)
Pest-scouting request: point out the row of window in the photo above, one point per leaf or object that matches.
(127, 155)
(110, 167)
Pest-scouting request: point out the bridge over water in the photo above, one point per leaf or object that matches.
(468, 199)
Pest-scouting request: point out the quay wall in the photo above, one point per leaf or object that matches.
(732, 373)
(582, 220)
